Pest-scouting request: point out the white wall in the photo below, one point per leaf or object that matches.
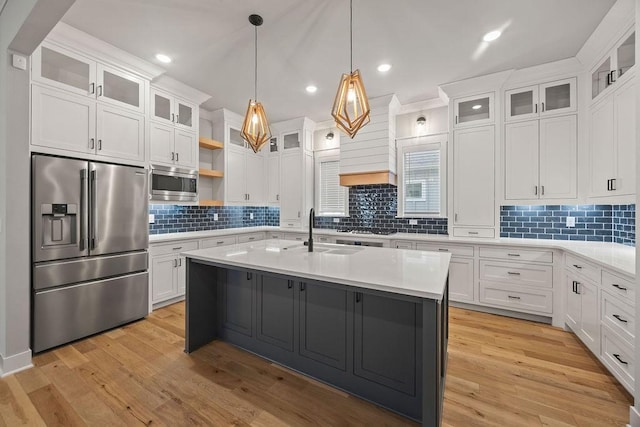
(23, 25)
(634, 418)
(437, 121)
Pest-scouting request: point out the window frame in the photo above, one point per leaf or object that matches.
(422, 143)
(322, 157)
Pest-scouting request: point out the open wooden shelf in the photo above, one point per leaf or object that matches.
(211, 203)
(211, 144)
(210, 173)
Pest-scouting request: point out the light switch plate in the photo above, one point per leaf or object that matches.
(571, 221)
(215, 216)
(336, 219)
(251, 215)
(413, 222)
(152, 219)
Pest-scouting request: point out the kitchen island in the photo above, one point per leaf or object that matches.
(370, 321)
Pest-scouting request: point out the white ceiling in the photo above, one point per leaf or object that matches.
(307, 42)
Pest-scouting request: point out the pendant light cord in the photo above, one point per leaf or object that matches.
(255, 68)
(351, 31)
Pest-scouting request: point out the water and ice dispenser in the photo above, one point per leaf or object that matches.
(59, 225)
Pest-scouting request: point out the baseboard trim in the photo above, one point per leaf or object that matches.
(501, 312)
(634, 417)
(15, 363)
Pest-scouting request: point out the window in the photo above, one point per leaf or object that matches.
(421, 169)
(331, 198)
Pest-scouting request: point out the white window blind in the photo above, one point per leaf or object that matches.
(332, 200)
(421, 182)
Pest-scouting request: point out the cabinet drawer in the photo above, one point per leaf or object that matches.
(517, 254)
(517, 273)
(403, 244)
(455, 250)
(517, 298)
(294, 223)
(173, 248)
(250, 237)
(619, 317)
(619, 286)
(217, 241)
(487, 233)
(274, 235)
(582, 267)
(295, 236)
(618, 357)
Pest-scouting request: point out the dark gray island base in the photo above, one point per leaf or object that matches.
(384, 347)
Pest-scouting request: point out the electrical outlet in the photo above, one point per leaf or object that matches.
(215, 216)
(413, 222)
(152, 219)
(571, 221)
(251, 215)
(336, 219)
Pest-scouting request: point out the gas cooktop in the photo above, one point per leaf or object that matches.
(378, 231)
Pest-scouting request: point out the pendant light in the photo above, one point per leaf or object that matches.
(255, 128)
(351, 107)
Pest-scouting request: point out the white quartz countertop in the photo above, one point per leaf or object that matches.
(407, 272)
(618, 257)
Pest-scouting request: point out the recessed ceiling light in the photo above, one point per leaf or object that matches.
(163, 58)
(491, 36)
(477, 107)
(383, 68)
(311, 89)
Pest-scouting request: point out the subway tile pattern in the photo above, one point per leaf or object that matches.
(376, 206)
(179, 219)
(624, 224)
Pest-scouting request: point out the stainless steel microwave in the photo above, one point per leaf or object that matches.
(171, 184)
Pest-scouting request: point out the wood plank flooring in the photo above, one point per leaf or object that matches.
(501, 372)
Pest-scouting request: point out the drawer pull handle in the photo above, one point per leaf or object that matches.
(617, 316)
(513, 273)
(251, 238)
(617, 356)
(443, 250)
(579, 267)
(513, 254)
(177, 249)
(622, 288)
(473, 232)
(512, 297)
(220, 242)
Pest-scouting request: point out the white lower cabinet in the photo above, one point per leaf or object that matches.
(582, 310)
(618, 356)
(168, 270)
(461, 269)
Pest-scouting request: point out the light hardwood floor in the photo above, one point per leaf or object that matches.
(501, 372)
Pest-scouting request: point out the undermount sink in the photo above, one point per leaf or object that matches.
(321, 249)
(344, 251)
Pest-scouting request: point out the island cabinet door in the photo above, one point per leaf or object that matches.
(385, 341)
(275, 315)
(236, 295)
(323, 324)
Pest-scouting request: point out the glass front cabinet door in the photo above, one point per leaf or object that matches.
(473, 110)
(547, 99)
(120, 88)
(59, 67)
(615, 65)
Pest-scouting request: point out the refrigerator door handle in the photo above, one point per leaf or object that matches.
(83, 210)
(92, 209)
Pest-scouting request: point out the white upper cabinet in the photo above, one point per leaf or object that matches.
(541, 159)
(532, 102)
(612, 148)
(56, 66)
(120, 134)
(612, 68)
(473, 110)
(273, 180)
(244, 170)
(166, 108)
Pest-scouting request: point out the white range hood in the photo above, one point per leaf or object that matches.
(370, 157)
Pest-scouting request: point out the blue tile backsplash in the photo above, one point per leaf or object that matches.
(597, 223)
(179, 219)
(376, 206)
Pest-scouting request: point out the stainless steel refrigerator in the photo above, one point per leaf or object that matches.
(89, 251)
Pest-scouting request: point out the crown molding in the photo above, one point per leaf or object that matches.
(179, 89)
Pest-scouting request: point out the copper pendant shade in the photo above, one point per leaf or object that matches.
(351, 107)
(255, 128)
